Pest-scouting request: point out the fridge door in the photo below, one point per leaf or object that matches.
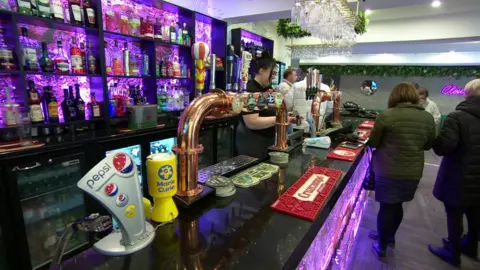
(49, 200)
(205, 158)
(225, 143)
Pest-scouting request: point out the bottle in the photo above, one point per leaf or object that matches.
(44, 9)
(76, 57)
(46, 63)
(177, 99)
(30, 62)
(158, 30)
(161, 99)
(68, 107)
(91, 60)
(169, 68)
(112, 102)
(186, 38)
(84, 58)
(142, 27)
(6, 54)
(117, 60)
(134, 24)
(134, 63)
(9, 110)
(145, 59)
(126, 59)
(179, 34)
(173, 34)
(57, 10)
(36, 115)
(148, 32)
(24, 6)
(186, 98)
(165, 31)
(176, 68)
(108, 61)
(170, 105)
(79, 104)
(75, 12)
(61, 61)
(93, 107)
(131, 94)
(51, 107)
(183, 68)
(123, 25)
(163, 68)
(34, 7)
(138, 96)
(89, 13)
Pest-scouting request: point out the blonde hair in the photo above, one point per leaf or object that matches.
(403, 93)
(472, 89)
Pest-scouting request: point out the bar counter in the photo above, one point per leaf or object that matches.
(243, 232)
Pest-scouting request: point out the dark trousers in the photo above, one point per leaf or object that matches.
(389, 218)
(455, 226)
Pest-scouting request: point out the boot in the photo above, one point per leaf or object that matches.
(379, 252)
(447, 253)
(469, 250)
(372, 234)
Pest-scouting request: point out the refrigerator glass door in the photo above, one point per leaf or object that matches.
(205, 158)
(163, 146)
(50, 200)
(3, 257)
(225, 143)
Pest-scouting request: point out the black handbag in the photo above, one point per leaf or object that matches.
(369, 180)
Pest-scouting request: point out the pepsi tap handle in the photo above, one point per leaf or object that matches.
(114, 183)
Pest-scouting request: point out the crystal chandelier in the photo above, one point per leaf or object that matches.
(332, 21)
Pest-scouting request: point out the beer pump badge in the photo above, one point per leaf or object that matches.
(237, 104)
(251, 103)
(278, 100)
(262, 102)
(271, 100)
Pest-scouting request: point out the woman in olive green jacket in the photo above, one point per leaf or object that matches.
(401, 135)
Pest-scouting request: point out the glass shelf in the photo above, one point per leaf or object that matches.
(127, 77)
(60, 74)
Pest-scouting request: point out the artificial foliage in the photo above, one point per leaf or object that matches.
(287, 29)
(401, 71)
(362, 23)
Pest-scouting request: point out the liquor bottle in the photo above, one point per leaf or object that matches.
(93, 107)
(145, 59)
(34, 7)
(158, 29)
(117, 60)
(91, 60)
(170, 105)
(179, 34)
(112, 102)
(134, 64)
(89, 13)
(57, 10)
(34, 101)
(186, 97)
(131, 93)
(163, 68)
(30, 62)
(177, 99)
(24, 6)
(76, 58)
(61, 61)
(173, 34)
(44, 9)
(108, 61)
(176, 68)
(6, 54)
(170, 71)
(79, 104)
(126, 59)
(165, 31)
(183, 68)
(186, 38)
(123, 25)
(161, 99)
(51, 107)
(84, 58)
(68, 107)
(9, 110)
(138, 96)
(46, 63)
(148, 32)
(75, 12)
(134, 24)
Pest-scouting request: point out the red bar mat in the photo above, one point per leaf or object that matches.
(364, 133)
(307, 196)
(346, 154)
(367, 124)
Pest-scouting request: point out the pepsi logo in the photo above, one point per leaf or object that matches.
(123, 163)
(111, 190)
(121, 200)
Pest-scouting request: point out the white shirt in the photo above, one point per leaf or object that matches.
(432, 108)
(286, 88)
(302, 105)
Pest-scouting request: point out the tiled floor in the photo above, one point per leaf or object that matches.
(424, 223)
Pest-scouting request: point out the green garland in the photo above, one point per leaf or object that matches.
(401, 71)
(363, 21)
(287, 29)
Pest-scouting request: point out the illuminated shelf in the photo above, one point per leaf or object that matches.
(60, 74)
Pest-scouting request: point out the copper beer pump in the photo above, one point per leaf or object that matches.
(188, 147)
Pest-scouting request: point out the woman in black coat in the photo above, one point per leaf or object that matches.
(458, 180)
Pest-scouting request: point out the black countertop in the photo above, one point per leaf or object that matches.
(240, 232)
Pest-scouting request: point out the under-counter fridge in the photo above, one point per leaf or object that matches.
(43, 198)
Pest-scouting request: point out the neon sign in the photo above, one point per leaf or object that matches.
(453, 90)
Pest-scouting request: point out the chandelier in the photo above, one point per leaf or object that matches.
(332, 21)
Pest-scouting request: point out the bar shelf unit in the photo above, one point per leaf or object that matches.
(156, 49)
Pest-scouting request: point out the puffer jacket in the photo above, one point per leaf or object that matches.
(458, 179)
(401, 135)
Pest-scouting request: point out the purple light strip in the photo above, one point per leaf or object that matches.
(453, 90)
(203, 33)
(323, 248)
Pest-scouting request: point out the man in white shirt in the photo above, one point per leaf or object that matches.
(429, 106)
(286, 87)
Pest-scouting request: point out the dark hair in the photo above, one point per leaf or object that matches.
(422, 90)
(265, 62)
(403, 93)
(288, 72)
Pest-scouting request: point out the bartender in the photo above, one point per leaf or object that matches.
(256, 130)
